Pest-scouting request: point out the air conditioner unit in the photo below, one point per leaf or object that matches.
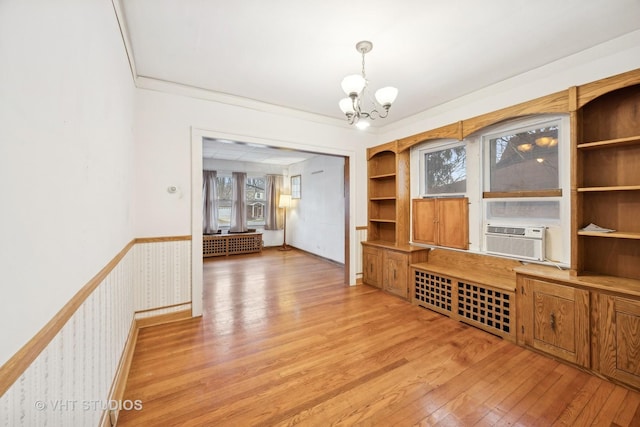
(524, 242)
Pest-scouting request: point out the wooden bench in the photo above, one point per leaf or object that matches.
(472, 288)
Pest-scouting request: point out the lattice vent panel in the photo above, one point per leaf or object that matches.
(433, 291)
(488, 307)
(244, 244)
(217, 247)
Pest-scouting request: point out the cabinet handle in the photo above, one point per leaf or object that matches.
(370, 268)
(394, 275)
(552, 322)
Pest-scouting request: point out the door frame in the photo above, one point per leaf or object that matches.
(197, 135)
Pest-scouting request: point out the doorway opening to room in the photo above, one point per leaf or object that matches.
(318, 220)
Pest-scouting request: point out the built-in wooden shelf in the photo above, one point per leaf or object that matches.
(611, 188)
(382, 220)
(383, 198)
(609, 143)
(383, 176)
(612, 235)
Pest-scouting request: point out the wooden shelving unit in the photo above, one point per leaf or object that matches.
(607, 179)
(387, 173)
(387, 253)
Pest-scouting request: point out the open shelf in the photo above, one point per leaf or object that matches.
(610, 143)
(611, 235)
(609, 188)
(383, 176)
(608, 184)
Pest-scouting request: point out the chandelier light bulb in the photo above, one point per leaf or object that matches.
(362, 124)
(346, 105)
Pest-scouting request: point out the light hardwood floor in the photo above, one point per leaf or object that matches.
(283, 341)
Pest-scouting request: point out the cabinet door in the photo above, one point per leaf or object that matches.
(372, 266)
(425, 221)
(618, 339)
(554, 319)
(453, 222)
(395, 273)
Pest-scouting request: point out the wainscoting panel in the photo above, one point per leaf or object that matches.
(162, 277)
(69, 381)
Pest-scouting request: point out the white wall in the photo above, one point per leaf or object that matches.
(610, 58)
(66, 156)
(315, 222)
(164, 125)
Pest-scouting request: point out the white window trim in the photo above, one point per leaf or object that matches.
(439, 146)
(559, 231)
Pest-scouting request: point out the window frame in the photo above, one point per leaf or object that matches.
(223, 175)
(432, 148)
(521, 126)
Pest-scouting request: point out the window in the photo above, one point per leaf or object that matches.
(524, 160)
(255, 200)
(445, 170)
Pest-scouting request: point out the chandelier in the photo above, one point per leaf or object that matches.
(356, 86)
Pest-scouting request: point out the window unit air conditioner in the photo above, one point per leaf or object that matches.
(524, 242)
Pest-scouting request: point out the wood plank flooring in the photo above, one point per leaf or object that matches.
(284, 342)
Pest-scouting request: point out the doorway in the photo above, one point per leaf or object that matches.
(197, 137)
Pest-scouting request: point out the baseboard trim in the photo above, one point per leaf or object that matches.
(160, 319)
(109, 417)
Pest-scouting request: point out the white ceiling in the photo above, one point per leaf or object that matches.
(294, 53)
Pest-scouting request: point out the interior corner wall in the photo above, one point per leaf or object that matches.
(66, 126)
(315, 221)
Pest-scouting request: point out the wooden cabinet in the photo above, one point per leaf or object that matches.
(617, 353)
(372, 266)
(386, 253)
(387, 267)
(396, 266)
(591, 320)
(608, 178)
(441, 222)
(555, 319)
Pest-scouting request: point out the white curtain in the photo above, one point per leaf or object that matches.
(238, 203)
(209, 202)
(273, 216)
